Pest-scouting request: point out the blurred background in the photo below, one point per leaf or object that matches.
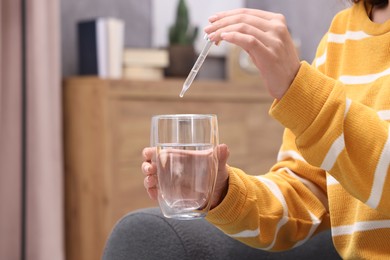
(146, 22)
(47, 108)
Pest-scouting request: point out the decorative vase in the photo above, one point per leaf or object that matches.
(181, 60)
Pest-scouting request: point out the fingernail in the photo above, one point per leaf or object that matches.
(211, 36)
(147, 168)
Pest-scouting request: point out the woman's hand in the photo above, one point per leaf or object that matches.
(149, 169)
(265, 37)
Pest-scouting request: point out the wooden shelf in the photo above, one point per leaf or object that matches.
(106, 126)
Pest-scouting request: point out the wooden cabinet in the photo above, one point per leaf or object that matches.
(106, 126)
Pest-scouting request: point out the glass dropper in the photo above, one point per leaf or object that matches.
(194, 71)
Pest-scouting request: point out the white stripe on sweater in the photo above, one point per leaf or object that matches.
(279, 195)
(380, 176)
(310, 185)
(349, 35)
(320, 60)
(316, 222)
(330, 180)
(360, 227)
(283, 155)
(333, 153)
(246, 233)
(363, 79)
(338, 145)
(384, 114)
(340, 38)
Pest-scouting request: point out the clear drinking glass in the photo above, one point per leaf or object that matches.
(186, 159)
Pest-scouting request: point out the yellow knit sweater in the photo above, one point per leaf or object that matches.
(332, 170)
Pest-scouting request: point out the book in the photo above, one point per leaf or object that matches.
(100, 47)
(115, 30)
(146, 57)
(142, 73)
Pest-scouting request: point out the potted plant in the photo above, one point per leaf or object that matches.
(181, 43)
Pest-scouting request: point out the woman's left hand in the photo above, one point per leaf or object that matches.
(265, 37)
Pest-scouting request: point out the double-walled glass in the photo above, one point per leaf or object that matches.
(186, 159)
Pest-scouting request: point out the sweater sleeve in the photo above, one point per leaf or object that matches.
(344, 137)
(276, 211)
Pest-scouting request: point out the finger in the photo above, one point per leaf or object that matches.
(239, 22)
(246, 11)
(147, 153)
(245, 29)
(223, 154)
(148, 168)
(254, 47)
(152, 192)
(222, 176)
(264, 32)
(241, 18)
(150, 181)
(248, 23)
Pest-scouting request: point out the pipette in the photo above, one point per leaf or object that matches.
(194, 71)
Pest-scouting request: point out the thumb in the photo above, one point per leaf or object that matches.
(223, 155)
(222, 175)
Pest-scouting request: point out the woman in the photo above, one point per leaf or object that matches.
(333, 167)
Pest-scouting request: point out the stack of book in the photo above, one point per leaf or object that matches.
(100, 47)
(144, 63)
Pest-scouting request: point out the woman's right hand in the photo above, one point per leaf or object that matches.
(267, 40)
(149, 169)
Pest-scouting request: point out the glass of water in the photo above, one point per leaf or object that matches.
(187, 163)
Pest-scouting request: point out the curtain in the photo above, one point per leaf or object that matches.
(10, 130)
(31, 167)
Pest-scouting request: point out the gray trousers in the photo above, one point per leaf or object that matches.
(146, 234)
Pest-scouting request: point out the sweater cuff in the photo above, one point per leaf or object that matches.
(303, 101)
(230, 208)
